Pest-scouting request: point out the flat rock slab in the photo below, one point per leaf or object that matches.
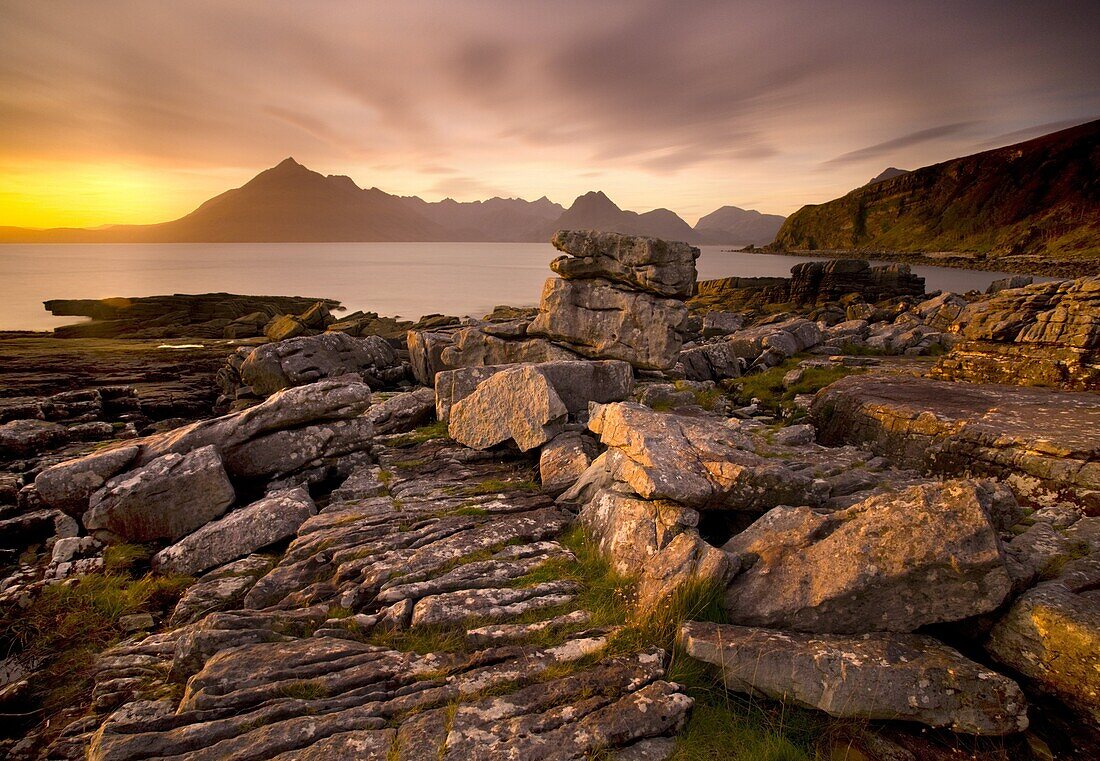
(907, 677)
(702, 462)
(166, 499)
(647, 264)
(306, 359)
(241, 532)
(518, 404)
(893, 562)
(1019, 433)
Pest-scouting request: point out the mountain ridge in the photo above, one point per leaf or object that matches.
(291, 203)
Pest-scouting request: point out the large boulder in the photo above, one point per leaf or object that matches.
(239, 533)
(596, 318)
(576, 382)
(702, 462)
(893, 562)
(403, 411)
(907, 677)
(710, 362)
(298, 361)
(519, 403)
(645, 264)
(1051, 635)
(25, 438)
(68, 485)
(426, 353)
(169, 497)
(287, 451)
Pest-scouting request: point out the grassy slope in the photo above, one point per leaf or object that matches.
(1040, 197)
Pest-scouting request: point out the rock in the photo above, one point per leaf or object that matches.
(893, 562)
(165, 499)
(68, 485)
(491, 604)
(1008, 283)
(1040, 441)
(493, 634)
(426, 353)
(816, 282)
(281, 453)
(697, 461)
(519, 404)
(328, 400)
(136, 622)
(26, 438)
(1046, 334)
(298, 361)
(719, 323)
(239, 533)
(219, 589)
(644, 264)
(285, 327)
(363, 482)
(402, 412)
(576, 383)
(563, 459)
(596, 319)
(1051, 635)
(487, 345)
(793, 435)
(906, 677)
(940, 312)
(710, 362)
(783, 339)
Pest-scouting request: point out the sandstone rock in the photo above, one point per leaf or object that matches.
(940, 312)
(596, 319)
(1038, 440)
(491, 604)
(68, 485)
(906, 677)
(280, 453)
(426, 353)
(219, 589)
(519, 404)
(563, 459)
(299, 361)
(630, 531)
(241, 532)
(576, 382)
(893, 562)
(646, 264)
(815, 282)
(284, 327)
(25, 438)
(1051, 635)
(1008, 283)
(165, 499)
(784, 339)
(697, 461)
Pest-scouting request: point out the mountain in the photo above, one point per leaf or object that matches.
(595, 211)
(1035, 204)
(498, 219)
(888, 173)
(732, 225)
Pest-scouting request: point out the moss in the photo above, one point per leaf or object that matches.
(436, 430)
(496, 486)
(769, 389)
(304, 689)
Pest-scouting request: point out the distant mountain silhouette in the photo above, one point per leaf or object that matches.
(733, 225)
(887, 174)
(290, 203)
(1039, 200)
(595, 211)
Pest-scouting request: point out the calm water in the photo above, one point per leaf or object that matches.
(404, 279)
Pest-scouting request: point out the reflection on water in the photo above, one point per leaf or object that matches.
(405, 279)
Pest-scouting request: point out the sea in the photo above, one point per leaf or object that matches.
(405, 280)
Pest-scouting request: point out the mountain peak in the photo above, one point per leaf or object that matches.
(594, 200)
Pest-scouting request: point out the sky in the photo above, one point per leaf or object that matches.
(135, 112)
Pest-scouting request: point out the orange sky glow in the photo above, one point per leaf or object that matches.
(135, 112)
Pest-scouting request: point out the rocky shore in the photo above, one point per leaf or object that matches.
(815, 517)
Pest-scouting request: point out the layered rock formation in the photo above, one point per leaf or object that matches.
(1042, 441)
(1047, 334)
(207, 315)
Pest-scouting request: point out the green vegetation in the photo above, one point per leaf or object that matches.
(769, 389)
(304, 689)
(436, 430)
(68, 624)
(496, 486)
(705, 398)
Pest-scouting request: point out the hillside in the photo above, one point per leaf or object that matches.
(1032, 206)
(595, 211)
(731, 224)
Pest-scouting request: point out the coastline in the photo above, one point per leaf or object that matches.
(955, 260)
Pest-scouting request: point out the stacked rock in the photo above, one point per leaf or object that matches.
(618, 297)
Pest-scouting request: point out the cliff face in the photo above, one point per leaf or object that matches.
(1031, 203)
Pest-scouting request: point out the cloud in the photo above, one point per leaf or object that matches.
(892, 147)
